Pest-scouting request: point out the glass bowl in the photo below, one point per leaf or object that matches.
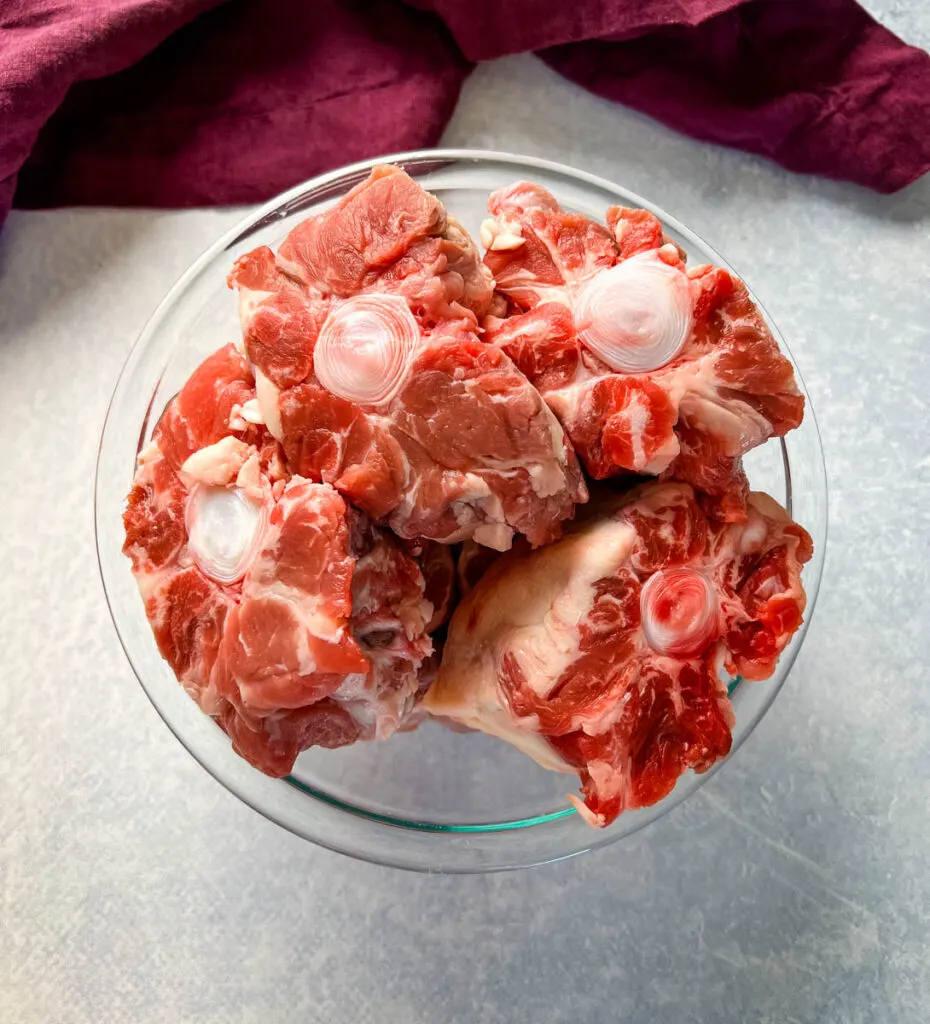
(432, 799)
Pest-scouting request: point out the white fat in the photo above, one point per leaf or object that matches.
(251, 412)
(380, 710)
(568, 404)
(639, 418)
(471, 487)
(585, 812)
(478, 704)
(501, 234)
(308, 607)
(728, 419)
(493, 508)
(610, 783)
(696, 376)
(267, 397)
(464, 516)
(149, 453)
(470, 495)
(250, 477)
(544, 654)
(546, 479)
(498, 536)
(664, 456)
(540, 628)
(248, 301)
(236, 421)
(353, 686)
(694, 389)
(224, 526)
(754, 534)
(557, 436)
(497, 722)
(217, 464)
(422, 613)
(318, 625)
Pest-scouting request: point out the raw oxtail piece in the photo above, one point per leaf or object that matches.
(604, 653)
(284, 613)
(362, 335)
(650, 366)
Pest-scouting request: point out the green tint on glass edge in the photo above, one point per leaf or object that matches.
(421, 826)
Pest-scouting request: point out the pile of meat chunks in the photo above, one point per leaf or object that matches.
(504, 491)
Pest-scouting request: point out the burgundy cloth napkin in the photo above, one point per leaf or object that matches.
(192, 102)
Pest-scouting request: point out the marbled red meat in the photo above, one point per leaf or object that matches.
(388, 235)
(603, 653)
(285, 614)
(651, 367)
(186, 609)
(362, 333)
(211, 399)
(289, 641)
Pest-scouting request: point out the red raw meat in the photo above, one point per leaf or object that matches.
(388, 235)
(362, 333)
(201, 413)
(186, 609)
(289, 642)
(721, 389)
(285, 614)
(602, 653)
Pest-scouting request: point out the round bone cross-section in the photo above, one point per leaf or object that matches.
(365, 347)
(363, 335)
(635, 316)
(650, 365)
(224, 527)
(680, 614)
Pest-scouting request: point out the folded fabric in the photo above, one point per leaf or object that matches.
(193, 102)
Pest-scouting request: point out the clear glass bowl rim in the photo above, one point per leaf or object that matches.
(278, 207)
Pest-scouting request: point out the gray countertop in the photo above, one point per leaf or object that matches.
(794, 887)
